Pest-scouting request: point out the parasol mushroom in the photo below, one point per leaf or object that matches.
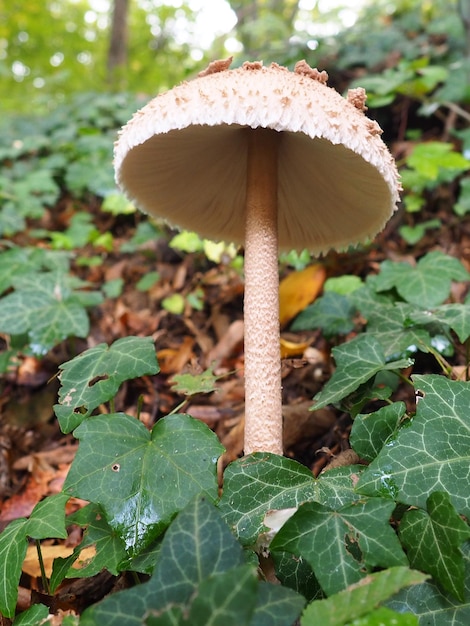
(271, 159)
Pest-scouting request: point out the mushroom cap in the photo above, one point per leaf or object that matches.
(183, 157)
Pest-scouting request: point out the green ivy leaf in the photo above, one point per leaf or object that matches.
(191, 384)
(385, 617)
(456, 316)
(209, 581)
(277, 606)
(36, 614)
(141, 479)
(432, 453)
(333, 313)
(342, 545)
(357, 361)
(225, 600)
(203, 546)
(295, 573)
(95, 376)
(360, 599)
(428, 283)
(44, 307)
(431, 605)
(109, 547)
(370, 431)
(433, 539)
(22, 261)
(47, 520)
(262, 482)
(13, 546)
(389, 324)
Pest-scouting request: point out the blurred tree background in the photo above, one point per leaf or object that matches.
(50, 49)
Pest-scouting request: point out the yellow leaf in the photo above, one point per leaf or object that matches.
(49, 553)
(290, 349)
(298, 290)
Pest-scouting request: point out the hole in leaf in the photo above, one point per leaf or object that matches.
(80, 410)
(97, 379)
(116, 467)
(419, 394)
(352, 546)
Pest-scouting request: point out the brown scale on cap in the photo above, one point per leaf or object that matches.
(302, 67)
(216, 66)
(357, 97)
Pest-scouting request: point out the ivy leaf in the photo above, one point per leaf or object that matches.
(357, 361)
(277, 606)
(263, 482)
(47, 520)
(234, 607)
(333, 313)
(44, 307)
(109, 548)
(433, 539)
(431, 605)
(360, 599)
(370, 431)
(13, 546)
(36, 614)
(295, 573)
(141, 479)
(204, 547)
(95, 376)
(191, 384)
(428, 283)
(385, 617)
(432, 453)
(342, 545)
(456, 316)
(390, 325)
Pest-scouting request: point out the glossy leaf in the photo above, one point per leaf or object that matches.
(342, 545)
(141, 479)
(361, 599)
(430, 454)
(109, 548)
(264, 482)
(197, 545)
(370, 431)
(357, 361)
(95, 376)
(433, 539)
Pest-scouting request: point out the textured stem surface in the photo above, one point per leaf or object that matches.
(263, 403)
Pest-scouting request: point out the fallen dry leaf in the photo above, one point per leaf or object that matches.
(299, 289)
(49, 553)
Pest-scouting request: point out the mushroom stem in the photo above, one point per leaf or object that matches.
(263, 402)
